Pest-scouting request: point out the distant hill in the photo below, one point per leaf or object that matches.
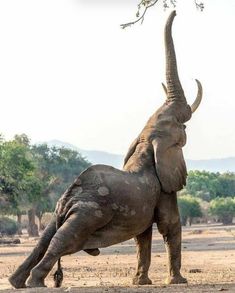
(95, 157)
(115, 160)
(212, 165)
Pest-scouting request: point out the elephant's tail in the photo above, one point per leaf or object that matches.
(58, 275)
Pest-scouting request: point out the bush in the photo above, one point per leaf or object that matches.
(8, 226)
(189, 208)
(223, 208)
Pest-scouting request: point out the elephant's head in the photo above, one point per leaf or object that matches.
(165, 130)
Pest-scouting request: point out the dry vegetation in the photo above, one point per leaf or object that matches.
(208, 264)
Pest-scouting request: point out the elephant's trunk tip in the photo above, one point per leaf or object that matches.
(58, 276)
(173, 13)
(170, 18)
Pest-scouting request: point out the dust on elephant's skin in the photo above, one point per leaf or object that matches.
(105, 206)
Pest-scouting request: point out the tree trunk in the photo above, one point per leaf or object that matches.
(190, 221)
(227, 219)
(32, 227)
(184, 221)
(41, 226)
(19, 220)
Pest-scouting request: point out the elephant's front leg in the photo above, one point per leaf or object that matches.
(143, 243)
(168, 223)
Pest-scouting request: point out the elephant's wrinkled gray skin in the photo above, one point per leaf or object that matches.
(105, 206)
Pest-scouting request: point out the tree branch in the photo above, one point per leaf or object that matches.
(199, 5)
(147, 4)
(150, 3)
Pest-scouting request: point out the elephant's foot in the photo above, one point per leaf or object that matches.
(141, 280)
(17, 282)
(176, 280)
(33, 283)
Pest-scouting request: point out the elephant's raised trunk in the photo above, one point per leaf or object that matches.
(174, 88)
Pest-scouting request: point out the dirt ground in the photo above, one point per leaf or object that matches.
(208, 249)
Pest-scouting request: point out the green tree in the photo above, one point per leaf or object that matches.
(226, 186)
(202, 184)
(67, 164)
(16, 168)
(33, 177)
(223, 208)
(56, 168)
(189, 208)
(43, 162)
(207, 185)
(22, 139)
(34, 186)
(17, 177)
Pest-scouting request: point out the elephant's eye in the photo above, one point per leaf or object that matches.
(184, 126)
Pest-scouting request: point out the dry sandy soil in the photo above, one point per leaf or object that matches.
(209, 249)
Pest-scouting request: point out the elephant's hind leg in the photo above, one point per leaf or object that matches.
(70, 238)
(19, 277)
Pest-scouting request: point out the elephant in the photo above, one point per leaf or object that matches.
(105, 206)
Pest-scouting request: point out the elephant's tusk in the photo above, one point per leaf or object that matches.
(198, 98)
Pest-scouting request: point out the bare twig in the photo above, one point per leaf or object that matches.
(172, 2)
(147, 4)
(199, 5)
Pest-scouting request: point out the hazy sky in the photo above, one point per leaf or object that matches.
(68, 72)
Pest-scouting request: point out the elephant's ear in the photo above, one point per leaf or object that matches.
(170, 166)
(131, 150)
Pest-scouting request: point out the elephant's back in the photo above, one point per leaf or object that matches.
(119, 191)
(98, 183)
(97, 176)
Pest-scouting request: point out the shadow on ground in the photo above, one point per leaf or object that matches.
(143, 289)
